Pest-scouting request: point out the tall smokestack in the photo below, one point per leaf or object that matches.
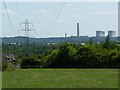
(65, 34)
(77, 29)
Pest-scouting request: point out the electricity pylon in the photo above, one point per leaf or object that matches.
(26, 29)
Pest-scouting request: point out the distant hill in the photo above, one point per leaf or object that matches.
(73, 39)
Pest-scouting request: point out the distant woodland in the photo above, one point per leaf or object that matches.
(66, 55)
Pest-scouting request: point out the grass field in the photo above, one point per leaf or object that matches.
(61, 78)
(0, 80)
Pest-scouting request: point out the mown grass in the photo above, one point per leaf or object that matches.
(60, 78)
(0, 80)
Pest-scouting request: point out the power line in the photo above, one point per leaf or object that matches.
(43, 5)
(53, 16)
(56, 18)
(8, 16)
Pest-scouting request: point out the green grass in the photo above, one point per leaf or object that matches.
(61, 78)
(0, 72)
(0, 80)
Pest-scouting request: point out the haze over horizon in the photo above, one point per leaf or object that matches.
(53, 19)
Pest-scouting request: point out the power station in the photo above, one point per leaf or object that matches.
(112, 33)
(100, 34)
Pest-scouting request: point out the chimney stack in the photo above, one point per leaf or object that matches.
(65, 34)
(77, 29)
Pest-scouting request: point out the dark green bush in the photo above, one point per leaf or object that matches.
(30, 62)
(4, 65)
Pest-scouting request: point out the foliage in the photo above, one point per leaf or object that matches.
(68, 55)
(10, 67)
(30, 62)
(91, 41)
(4, 65)
(84, 56)
(108, 44)
(7, 66)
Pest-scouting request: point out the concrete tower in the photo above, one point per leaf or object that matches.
(112, 33)
(100, 34)
(77, 29)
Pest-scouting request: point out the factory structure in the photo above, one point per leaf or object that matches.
(77, 29)
(112, 33)
(65, 35)
(100, 37)
(100, 33)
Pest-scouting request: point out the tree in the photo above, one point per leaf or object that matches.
(108, 44)
(91, 41)
(30, 62)
(84, 56)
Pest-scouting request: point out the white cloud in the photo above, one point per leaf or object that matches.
(8, 11)
(61, 20)
(43, 12)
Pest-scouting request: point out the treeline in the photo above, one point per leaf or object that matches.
(104, 55)
(34, 49)
(66, 55)
(35, 52)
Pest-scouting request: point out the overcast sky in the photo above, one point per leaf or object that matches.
(48, 22)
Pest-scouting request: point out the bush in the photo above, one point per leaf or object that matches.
(4, 65)
(83, 56)
(30, 62)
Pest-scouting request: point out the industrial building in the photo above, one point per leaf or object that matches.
(112, 33)
(100, 34)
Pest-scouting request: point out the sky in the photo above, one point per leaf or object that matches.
(54, 19)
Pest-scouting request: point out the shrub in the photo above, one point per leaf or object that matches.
(4, 65)
(30, 62)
